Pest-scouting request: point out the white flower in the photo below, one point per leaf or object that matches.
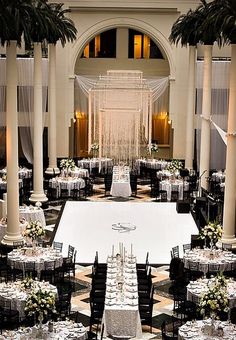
(95, 147)
(67, 164)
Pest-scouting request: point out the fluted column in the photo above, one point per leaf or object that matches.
(13, 229)
(206, 112)
(52, 167)
(38, 192)
(190, 108)
(230, 180)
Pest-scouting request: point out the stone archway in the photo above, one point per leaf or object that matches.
(127, 22)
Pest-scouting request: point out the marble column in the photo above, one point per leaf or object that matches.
(206, 113)
(13, 229)
(230, 180)
(38, 194)
(190, 108)
(52, 126)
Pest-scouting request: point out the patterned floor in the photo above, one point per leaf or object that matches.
(163, 302)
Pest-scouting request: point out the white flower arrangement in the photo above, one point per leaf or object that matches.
(40, 303)
(213, 231)
(95, 147)
(34, 230)
(4, 177)
(213, 301)
(67, 164)
(153, 147)
(27, 283)
(174, 165)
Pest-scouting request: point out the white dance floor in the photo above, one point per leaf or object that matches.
(158, 227)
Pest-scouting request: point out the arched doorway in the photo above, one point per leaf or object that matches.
(130, 48)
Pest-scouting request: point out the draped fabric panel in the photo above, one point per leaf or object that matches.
(219, 111)
(121, 103)
(25, 67)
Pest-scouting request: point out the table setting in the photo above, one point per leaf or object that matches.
(207, 330)
(32, 213)
(174, 185)
(17, 292)
(121, 314)
(40, 258)
(195, 289)
(207, 258)
(68, 183)
(51, 330)
(120, 186)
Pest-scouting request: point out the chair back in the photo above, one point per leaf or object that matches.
(71, 251)
(57, 246)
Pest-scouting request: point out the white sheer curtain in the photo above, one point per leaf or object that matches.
(220, 98)
(25, 67)
(130, 99)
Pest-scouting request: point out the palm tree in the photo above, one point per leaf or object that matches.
(184, 31)
(62, 29)
(223, 14)
(14, 23)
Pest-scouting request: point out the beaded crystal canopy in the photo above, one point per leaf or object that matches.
(120, 115)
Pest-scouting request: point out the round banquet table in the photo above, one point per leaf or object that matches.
(3, 184)
(174, 185)
(39, 258)
(210, 260)
(22, 172)
(17, 295)
(195, 289)
(61, 330)
(77, 172)
(100, 163)
(156, 164)
(66, 183)
(196, 330)
(31, 213)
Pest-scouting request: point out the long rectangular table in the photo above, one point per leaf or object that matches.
(120, 186)
(121, 317)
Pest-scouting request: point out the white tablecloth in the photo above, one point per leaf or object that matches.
(42, 257)
(206, 258)
(195, 289)
(156, 164)
(195, 330)
(61, 330)
(31, 213)
(174, 185)
(101, 163)
(121, 314)
(66, 183)
(120, 186)
(23, 172)
(14, 292)
(77, 172)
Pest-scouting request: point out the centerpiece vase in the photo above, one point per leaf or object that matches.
(40, 327)
(211, 244)
(34, 245)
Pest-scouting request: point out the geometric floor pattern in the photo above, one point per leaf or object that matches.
(163, 302)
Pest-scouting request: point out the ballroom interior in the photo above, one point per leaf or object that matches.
(118, 179)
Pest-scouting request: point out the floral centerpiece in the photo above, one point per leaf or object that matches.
(221, 280)
(174, 165)
(94, 149)
(212, 231)
(40, 303)
(34, 230)
(4, 177)
(214, 301)
(27, 283)
(152, 149)
(67, 164)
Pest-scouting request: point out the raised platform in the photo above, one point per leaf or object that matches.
(88, 227)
